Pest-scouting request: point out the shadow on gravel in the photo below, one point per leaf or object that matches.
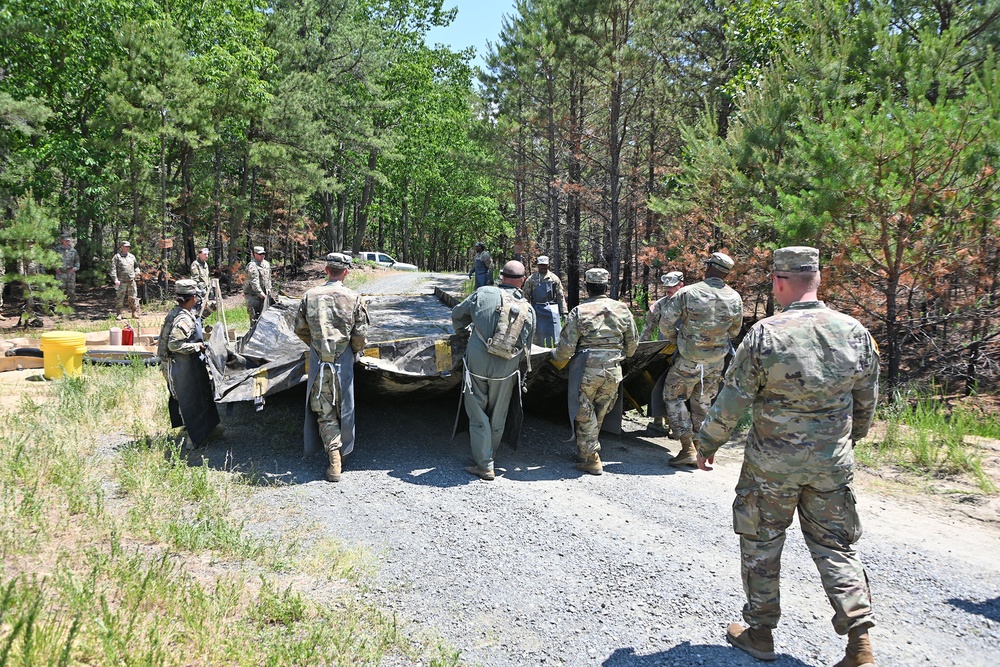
(697, 654)
(409, 440)
(987, 608)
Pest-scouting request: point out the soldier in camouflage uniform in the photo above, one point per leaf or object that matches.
(672, 283)
(545, 292)
(331, 317)
(491, 379)
(70, 266)
(257, 286)
(180, 337)
(125, 272)
(710, 314)
(811, 376)
(202, 278)
(606, 330)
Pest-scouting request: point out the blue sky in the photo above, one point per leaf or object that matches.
(478, 21)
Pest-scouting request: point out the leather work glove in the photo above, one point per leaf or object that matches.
(558, 364)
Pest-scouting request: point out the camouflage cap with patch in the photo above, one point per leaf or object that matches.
(597, 276)
(796, 259)
(258, 250)
(185, 287)
(543, 259)
(338, 260)
(721, 260)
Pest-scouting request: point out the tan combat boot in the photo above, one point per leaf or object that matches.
(591, 464)
(859, 650)
(333, 472)
(481, 473)
(758, 642)
(688, 456)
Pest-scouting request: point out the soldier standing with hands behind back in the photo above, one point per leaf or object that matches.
(125, 272)
(811, 375)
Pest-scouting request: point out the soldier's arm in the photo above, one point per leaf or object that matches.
(488, 261)
(461, 315)
(865, 393)
(76, 260)
(737, 323)
(560, 297)
(743, 380)
(528, 288)
(670, 312)
(301, 324)
(253, 275)
(114, 268)
(359, 334)
(568, 339)
(631, 336)
(179, 334)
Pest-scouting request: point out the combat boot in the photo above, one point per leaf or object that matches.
(688, 456)
(758, 642)
(859, 650)
(481, 473)
(591, 464)
(333, 472)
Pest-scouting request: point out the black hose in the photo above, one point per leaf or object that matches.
(24, 352)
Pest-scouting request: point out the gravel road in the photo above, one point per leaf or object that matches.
(547, 565)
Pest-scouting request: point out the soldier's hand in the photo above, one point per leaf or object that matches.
(706, 464)
(117, 283)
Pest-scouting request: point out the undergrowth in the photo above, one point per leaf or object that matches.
(116, 550)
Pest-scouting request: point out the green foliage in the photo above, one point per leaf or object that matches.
(27, 246)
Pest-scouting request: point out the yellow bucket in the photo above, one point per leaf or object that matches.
(62, 352)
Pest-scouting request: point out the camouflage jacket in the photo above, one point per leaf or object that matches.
(550, 285)
(331, 317)
(124, 268)
(175, 334)
(653, 319)
(200, 274)
(258, 278)
(710, 315)
(70, 258)
(811, 375)
(602, 325)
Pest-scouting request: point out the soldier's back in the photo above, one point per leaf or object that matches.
(709, 311)
(603, 323)
(330, 313)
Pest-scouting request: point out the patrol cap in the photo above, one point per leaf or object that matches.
(721, 260)
(597, 276)
(480, 244)
(203, 250)
(126, 244)
(338, 260)
(543, 259)
(796, 259)
(672, 278)
(185, 287)
(66, 236)
(258, 250)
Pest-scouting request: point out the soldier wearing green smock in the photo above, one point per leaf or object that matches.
(66, 272)
(257, 286)
(701, 320)
(125, 272)
(811, 377)
(491, 379)
(330, 318)
(482, 267)
(604, 329)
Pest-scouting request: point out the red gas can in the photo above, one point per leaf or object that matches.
(128, 335)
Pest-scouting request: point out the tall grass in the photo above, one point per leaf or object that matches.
(115, 549)
(927, 436)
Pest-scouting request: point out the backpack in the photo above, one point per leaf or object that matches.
(512, 317)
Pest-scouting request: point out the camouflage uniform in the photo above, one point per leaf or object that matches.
(710, 313)
(811, 377)
(257, 286)
(491, 379)
(201, 276)
(331, 317)
(653, 318)
(125, 271)
(607, 329)
(546, 295)
(67, 272)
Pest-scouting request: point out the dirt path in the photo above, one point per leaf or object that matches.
(637, 567)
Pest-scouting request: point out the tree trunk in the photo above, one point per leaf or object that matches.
(364, 206)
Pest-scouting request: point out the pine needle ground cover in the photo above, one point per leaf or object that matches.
(117, 549)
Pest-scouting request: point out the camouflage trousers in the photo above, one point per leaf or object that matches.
(764, 506)
(68, 284)
(598, 393)
(326, 404)
(697, 382)
(127, 296)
